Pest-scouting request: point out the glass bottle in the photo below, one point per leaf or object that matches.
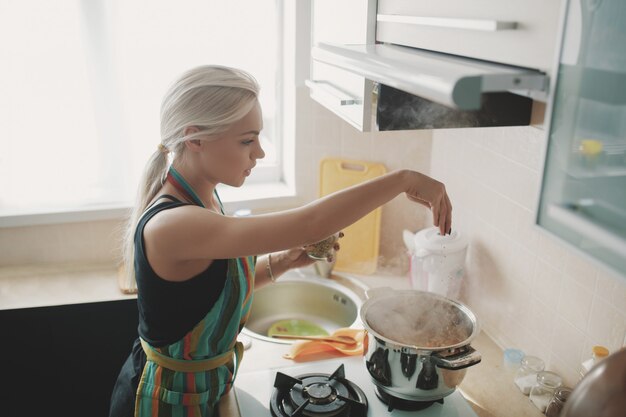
(542, 392)
(557, 402)
(526, 375)
(597, 354)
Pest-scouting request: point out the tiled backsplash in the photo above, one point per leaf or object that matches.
(529, 290)
(84, 242)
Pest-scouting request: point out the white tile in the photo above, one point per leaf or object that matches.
(575, 303)
(523, 185)
(612, 288)
(580, 269)
(541, 319)
(327, 132)
(356, 144)
(607, 324)
(547, 283)
(604, 285)
(567, 342)
(410, 150)
(566, 370)
(550, 250)
(523, 145)
(525, 230)
(503, 213)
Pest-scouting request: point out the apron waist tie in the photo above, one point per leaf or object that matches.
(197, 365)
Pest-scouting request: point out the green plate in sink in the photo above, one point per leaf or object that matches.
(296, 327)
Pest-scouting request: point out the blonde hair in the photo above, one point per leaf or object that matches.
(208, 97)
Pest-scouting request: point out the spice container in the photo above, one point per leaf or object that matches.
(542, 392)
(558, 401)
(512, 360)
(526, 375)
(597, 354)
(324, 249)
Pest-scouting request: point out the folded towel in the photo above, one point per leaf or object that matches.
(310, 347)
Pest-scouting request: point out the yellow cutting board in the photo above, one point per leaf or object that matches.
(359, 247)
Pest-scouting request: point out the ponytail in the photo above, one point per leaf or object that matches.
(209, 97)
(151, 181)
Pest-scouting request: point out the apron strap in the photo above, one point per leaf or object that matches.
(198, 365)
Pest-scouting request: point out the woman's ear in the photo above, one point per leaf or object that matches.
(192, 144)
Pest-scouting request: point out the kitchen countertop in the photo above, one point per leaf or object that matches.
(48, 285)
(487, 386)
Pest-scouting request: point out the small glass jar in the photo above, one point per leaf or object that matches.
(324, 249)
(512, 360)
(526, 375)
(542, 392)
(558, 401)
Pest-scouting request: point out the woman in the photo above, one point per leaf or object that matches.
(196, 267)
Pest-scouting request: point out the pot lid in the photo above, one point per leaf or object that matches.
(418, 319)
(431, 240)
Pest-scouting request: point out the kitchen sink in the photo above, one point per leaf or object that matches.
(330, 303)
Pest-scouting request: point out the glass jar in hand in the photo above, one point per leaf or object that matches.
(324, 250)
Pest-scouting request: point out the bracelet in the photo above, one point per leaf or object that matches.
(268, 268)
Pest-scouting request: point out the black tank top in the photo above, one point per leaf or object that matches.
(169, 310)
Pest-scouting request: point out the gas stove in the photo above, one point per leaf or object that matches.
(336, 387)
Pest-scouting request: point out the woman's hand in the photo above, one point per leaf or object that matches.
(432, 194)
(298, 258)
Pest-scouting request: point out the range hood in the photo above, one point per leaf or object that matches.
(449, 80)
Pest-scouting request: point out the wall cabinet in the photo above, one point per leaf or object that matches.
(583, 196)
(521, 33)
(344, 93)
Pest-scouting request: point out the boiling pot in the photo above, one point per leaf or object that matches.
(417, 344)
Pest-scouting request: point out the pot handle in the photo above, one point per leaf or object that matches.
(461, 360)
(378, 292)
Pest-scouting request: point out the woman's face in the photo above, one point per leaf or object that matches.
(230, 158)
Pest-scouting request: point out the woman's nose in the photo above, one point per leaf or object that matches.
(260, 154)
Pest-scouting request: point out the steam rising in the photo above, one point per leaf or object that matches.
(419, 320)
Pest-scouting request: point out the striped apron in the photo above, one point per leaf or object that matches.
(188, 377)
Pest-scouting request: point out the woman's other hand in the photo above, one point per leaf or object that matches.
(298, 258)
(432, 194)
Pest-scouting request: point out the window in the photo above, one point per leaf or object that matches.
(82, 82)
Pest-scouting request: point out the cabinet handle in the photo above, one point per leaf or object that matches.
(332, 93)
(448, 22)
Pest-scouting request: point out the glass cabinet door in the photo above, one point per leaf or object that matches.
(583, 195)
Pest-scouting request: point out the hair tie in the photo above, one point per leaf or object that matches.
(163, 149)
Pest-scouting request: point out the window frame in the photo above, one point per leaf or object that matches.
(293, 51)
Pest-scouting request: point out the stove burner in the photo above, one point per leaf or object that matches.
(395, 403)
(317, 395)
(320, 393)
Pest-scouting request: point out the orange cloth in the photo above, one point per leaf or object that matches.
(309, 347)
